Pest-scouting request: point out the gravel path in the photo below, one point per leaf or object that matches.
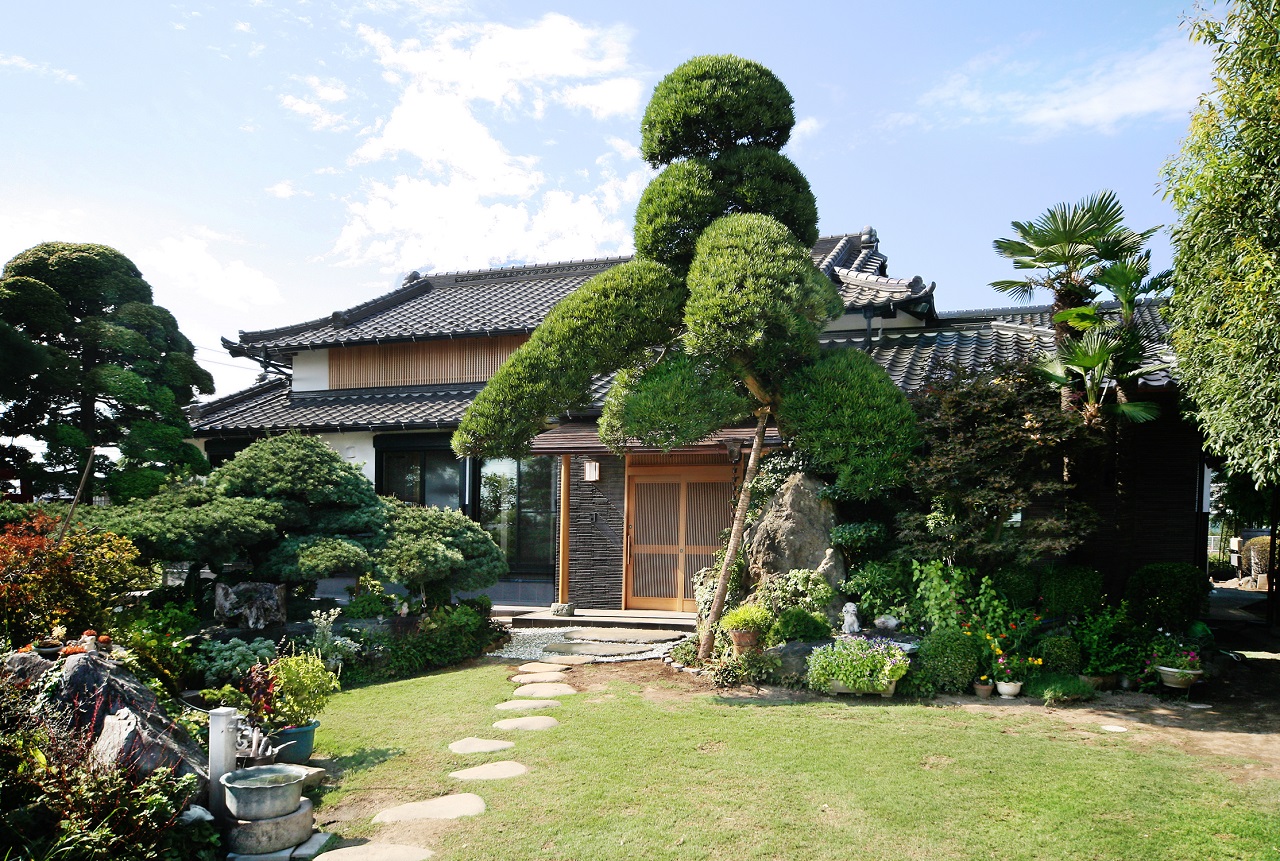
(526, 644)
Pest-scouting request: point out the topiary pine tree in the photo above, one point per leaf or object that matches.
(720, 310)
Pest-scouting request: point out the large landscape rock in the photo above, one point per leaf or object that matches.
(257, 605)
(130, 727)
(795, 532)
(25, 668)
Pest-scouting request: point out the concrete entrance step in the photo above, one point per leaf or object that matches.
(648, 619)
(626, 635)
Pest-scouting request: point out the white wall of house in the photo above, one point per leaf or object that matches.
(311, 371)
(355, 447)
(858, 323)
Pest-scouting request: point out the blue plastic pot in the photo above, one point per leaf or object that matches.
(304, 742)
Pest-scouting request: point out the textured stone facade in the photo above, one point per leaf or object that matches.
(596, 533)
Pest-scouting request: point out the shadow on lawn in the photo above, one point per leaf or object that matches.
(358, 760)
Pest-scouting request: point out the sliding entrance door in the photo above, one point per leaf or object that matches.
(675, 517)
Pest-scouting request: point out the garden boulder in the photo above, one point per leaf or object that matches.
(130, 726)
(257, 605)
(25, 668)
(794, 531)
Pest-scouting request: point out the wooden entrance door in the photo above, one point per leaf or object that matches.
(675, 516)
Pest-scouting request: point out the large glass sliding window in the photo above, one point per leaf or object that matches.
(516, 498)
(420, 469)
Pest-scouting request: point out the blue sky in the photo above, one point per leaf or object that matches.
(270, 162)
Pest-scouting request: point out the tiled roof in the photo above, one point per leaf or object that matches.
(584, 438)
(270, 407)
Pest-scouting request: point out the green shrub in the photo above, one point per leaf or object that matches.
(1069, 590)
(302, 688)
(1019, 584)
(754, 667)
(880, 588)
(1167, 594)
(368, 605)
(747, 617)
(229, 661)
(796, 623)
(445, 637)
(859, 664)
(1102, 635)
(941, 590)
(436, 552)
(800, 587)
(949, 660)
(685, 652)
(1060, 655)
(1257, 556)
(858, 541)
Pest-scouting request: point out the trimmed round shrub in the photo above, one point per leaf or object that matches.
(1070, 590)
(1060, 655)
(1167, 594)
(796, 623)
(1018, 584)
(845, 413)
(711, 103)
(759, 179)
(949, 660)
(673, 211)
(747, 617)
(1257, 556)
(436, 552)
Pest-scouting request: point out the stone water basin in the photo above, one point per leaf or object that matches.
(263, 791)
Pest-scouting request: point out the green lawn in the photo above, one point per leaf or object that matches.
(668, 774)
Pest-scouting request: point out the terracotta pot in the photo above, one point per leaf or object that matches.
(983, 691)
(1009, 690)
(744, 641)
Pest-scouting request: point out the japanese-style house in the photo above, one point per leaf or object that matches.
(386, 382)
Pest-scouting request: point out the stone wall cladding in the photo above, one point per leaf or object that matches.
(596, 530)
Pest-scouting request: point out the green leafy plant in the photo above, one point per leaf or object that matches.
(332, 648)
(1057, 687)
(860, 541)
(949, 660)
(436, 552)
(229, 661)
(800, 587)
(796, 623)
(747, 617)
(1060, 655)
(1167, 594)
(302, 688)
(1014, 668)
(444, 637)
(685, 652)
(941, 590)
(1101, 635)
(864, 665)
(754, 667)
(883, 588)
(1069, 590)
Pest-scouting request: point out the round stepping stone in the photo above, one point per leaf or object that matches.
(530, 723)
(531, 678)
(380, 852)
(544, 689)
(543, 667)
(603, 650)
(625, 635)
(491, 771)
(1110, 727)
(479, 745)
(526, 705)
(445, 807)
(567, 660)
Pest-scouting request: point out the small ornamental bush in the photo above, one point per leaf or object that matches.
(949, 660)
(1060, 655)
(229, 661)
(444, 637)
(800, 587)
(1167, 594)
(752, 667)
(859, 664)
(1070, 590)
(882, 588)
(747, 617)
(302, 687)
(1257, 556)
(859, 540)
(436, 552)
(799, 624)
(1057, 687)
(1019, 584)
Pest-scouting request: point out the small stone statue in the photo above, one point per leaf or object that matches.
(850, 613)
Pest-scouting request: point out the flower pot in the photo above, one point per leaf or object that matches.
(886, 691)
(1176, 678)
(264, 791)
(1009, 690)
(983, 691)
(49, 653)
(744, 641)
(304, 742)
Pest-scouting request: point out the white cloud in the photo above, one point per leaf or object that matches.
(330, 90)
(243, 27)
(321, 119)
(1161, 82)
(186, 264)
(804, 129)
(473, 201)
(22, 64)
(615, 97)
(285, 189)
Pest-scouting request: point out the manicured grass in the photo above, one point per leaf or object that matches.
(664, 774)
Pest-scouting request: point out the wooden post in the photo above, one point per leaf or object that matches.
(566, 465)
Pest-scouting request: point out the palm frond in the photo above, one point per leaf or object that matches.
(1134, 411)
(1024, 290)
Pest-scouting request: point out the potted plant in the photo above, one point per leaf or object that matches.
(859, 666)
(984, 686)
(1177, 664)
(1100, 637)
(746, 624)
(300, 689)
(1011, 671)
(50, 646)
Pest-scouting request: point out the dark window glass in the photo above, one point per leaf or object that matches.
(515, 508)
(441, 479)
(402, 475)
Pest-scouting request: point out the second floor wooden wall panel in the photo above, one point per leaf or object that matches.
(421, 363)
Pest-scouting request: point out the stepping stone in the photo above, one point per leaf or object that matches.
(625, 635)
(491, 771)
(531, 678)
(543, 689)
(526, 705)
(603, 650)
(379, 852)
(446, 807)
(532, 722)
(1110, 727)
(543, 667)
(479, 745)
(567, 660)
(314, 846)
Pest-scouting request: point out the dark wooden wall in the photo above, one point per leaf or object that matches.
(596, 530)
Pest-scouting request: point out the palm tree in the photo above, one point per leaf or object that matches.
(1101, 360)
(1067, 248)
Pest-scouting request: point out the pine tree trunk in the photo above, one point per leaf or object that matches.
(707, 644)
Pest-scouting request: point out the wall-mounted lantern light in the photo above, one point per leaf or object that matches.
(590, 470)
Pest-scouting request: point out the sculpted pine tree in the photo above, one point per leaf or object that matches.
(719, 311)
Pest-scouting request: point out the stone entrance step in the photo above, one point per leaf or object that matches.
(625, 635)
(602, 650)
(445, 807)
(568, 660)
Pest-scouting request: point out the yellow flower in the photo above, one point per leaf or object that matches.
(966, 633)
(999, 651)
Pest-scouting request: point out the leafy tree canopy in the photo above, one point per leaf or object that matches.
(87, 359)
(1224, 184)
